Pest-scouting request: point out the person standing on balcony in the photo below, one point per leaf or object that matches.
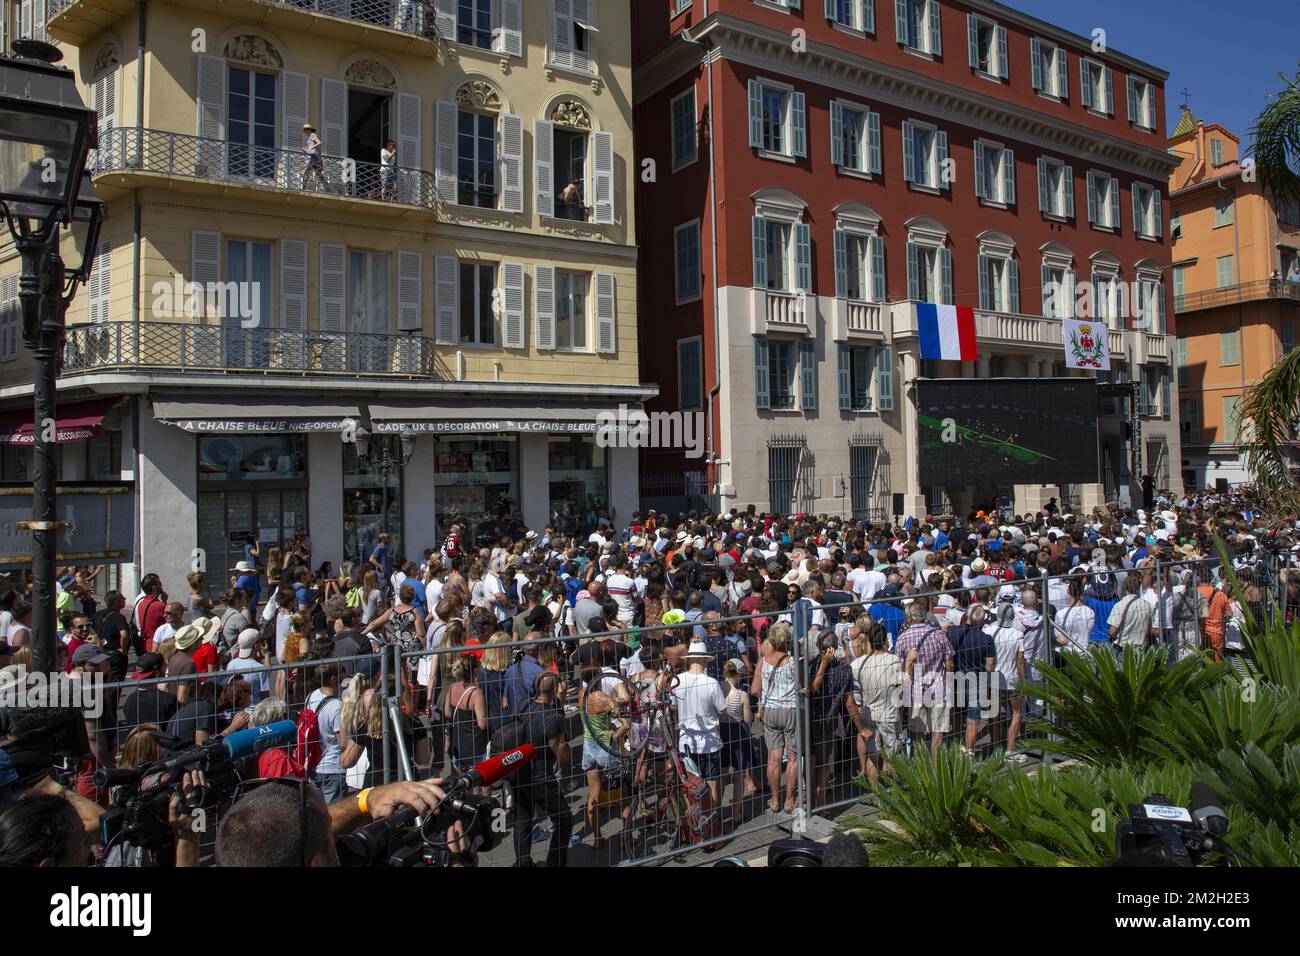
(571, 196)
(311, 144)
(388, 171)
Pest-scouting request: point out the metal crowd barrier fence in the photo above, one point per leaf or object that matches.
(638, 809)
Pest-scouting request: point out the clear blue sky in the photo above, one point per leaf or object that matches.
(1228, 55)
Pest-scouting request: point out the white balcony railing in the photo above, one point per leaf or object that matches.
(1156, 347)
(1115, 339)
(865, 317)
(782, 311)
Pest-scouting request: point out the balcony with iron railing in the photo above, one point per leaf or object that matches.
(393, 25)
(1256, 291)
(231, 349)
(129, 157)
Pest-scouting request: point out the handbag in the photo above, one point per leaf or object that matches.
(358, 772)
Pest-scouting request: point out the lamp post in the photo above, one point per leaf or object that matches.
(385, 462)
(46, 132)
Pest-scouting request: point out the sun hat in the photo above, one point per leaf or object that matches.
(674, 616)
(242, 567)
(187, 637)
(210, 629)
(979, 564)
(698, 652)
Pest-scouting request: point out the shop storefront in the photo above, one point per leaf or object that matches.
(578, 476)
(367, 489)
(476, 481)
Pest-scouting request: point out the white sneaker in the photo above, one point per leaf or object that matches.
(1018, 758)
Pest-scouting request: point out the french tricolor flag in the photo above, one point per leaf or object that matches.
(946, 331)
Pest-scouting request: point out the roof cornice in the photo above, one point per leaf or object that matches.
(741, 41)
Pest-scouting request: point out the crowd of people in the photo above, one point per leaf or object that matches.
(915, 634)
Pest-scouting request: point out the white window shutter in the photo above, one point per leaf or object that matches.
(444, 19)
(1049, 297)
(448, 114)
(544, 306)
(798, 125)
(512, 28)
(933, 15)
(755, 114)
(1062, 73)
(294, 112)
(512, 163)
(562, 33)
(1132, 100)
(1008, 177)
(606, 313)
(38, 19)
(837, 130)
(913, 271)
(101, 285)
(333, 287)
(446, 293)
(205, 261)
(334, 117)
(584, 12)
(869, 16)
(410, 280)
(212, 114)
(25, 19)
(512, 305)
(10, 314)
(293, 285)
(408, 132)
(941, 158)
(543, 166)
(602, 163)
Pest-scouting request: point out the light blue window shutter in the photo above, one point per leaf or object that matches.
(808, 374)
(900, 22)
(909, 160)
(936, 34)
(1114, 205)
(1085, 88)
(986, 292)
(837, 128)
(1036, 56)
(885, 378)
(1092, 196)
(941, 158)
(756, 114)
(972, 40)
(1133, 101)
(1044, 187)
(829, 8)
(803, 257)
(945, 276)
(845, 379)
(1004, 68)
(979, 170)
(1157, 214)
(878, 292)
(913, 271)
(1068, 174)
(798, 125)
(761, 399)
(1160, 309)
(1062, 74)
(760, 252)
(1110, 91)
(794, 4)
(1137, 209)
(841, 264)
(1008, 177)
(869, 16)
(873, 143)
(1013, 286)
(1045, 275)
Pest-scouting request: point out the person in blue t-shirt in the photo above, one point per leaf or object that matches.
(1101, 597)
(887, 613)
(379, 560)
(252, 585)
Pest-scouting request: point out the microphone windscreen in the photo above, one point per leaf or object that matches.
(256, 740)
(844, 849)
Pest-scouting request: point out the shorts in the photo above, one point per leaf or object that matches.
(998, 707)
(929, 719)
(778, 728)
(709, 765)
(737, 745)
(594, 756)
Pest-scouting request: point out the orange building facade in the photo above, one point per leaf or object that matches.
(1236, 289)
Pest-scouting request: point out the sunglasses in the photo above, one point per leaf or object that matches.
(293, 782)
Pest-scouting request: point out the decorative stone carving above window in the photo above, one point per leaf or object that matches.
(107, 58)
(479, 95)
(371, 73)
(253, 49)
(572, 114)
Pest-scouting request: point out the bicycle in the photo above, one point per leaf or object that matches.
(633, 723)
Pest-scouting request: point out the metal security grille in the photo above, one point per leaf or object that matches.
(937, 501)
(784, 455)
(1069, 498)
(868, 477)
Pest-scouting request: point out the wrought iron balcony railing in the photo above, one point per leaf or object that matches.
(113, 346)
(413, 17)
(127, 149)
(1244, 292)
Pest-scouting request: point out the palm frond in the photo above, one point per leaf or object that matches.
(1270, 409)
(1276, 136)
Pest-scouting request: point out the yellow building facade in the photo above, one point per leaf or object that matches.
(446, 255)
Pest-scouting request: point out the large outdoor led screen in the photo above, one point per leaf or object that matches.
(1006, 431)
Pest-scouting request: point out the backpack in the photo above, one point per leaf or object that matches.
(307, 750)
(267, 635)
(512, 591)
(571, 588)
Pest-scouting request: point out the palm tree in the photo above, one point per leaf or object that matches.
(1272, 407)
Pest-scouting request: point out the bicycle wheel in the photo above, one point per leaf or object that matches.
(614, 717)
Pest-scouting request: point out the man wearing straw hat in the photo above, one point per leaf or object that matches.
(182, 662)
(700, 705)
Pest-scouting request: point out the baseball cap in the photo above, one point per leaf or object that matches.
(248, 639)
(88, 654)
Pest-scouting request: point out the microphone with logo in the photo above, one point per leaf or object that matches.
(403, 839)
(1158, 833)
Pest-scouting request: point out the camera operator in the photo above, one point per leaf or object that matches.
(287, 823)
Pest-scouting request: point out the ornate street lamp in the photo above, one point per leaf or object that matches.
(46, 132)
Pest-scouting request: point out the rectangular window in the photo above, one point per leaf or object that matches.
(1223, 267)
(1103, 200)
(571, 318)
(862, 366)
(478, 282)
(474, 23)
(1175, 225)
(1216, 152)
(1096, 90)
(984, 43)
(1058, 292)
(1055, 188)
(926, 152)
(570, 174)
(690, 374)
(1288, 336)
(1180, 362)
(1189, 420)
(1146, 211)
(247, 338)
(1228, 348)
(370, 310)
(1104, 298)
(250, 124)
(1141, 104)
(1231, 427)
(570, 34)
(853, 139)
(857, 262)
(995, 282)
(774, 108)
(476, 159)
(918, 25)
(782, 368)
(680, 6)
(995, 173)
(686, 251)
(852, 14)
(1223, 212)
(778, 120)
(926, 265)
(778, 256)
(685, 141)
(1049, 68)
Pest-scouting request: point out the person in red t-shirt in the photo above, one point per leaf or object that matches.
(151, 612)
(205, 655)
(278, 761)
(79, 632)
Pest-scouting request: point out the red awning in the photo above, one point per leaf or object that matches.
(76, 421)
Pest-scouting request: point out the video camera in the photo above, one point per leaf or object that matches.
(1158, 830)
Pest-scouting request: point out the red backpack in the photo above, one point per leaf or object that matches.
(307, 751)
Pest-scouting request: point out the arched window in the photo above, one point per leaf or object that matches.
(999, 273)
(782, 242)
(859, 254)
(1057, 275)
(103, 96)
(929, 262)
(1149, 297)
(1107, 291)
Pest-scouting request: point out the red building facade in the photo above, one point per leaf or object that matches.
(820, 166)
